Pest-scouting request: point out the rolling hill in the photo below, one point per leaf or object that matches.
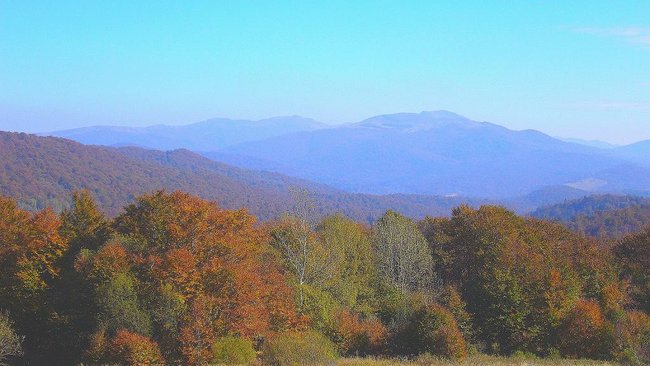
(43, 171)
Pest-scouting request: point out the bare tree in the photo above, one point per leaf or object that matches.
(304, 253)
(10, 342)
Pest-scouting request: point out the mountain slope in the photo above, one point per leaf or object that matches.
(638, 152)
(43, 171)
(438, 153)
(593, 143)
(604, 216)
(207, 135)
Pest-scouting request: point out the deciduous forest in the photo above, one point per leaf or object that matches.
(175, 279)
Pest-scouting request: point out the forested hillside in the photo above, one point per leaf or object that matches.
(175, 279)
(43, 171)
(605, 216)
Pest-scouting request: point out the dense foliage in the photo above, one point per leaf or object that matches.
(605, 217)
(175, 279)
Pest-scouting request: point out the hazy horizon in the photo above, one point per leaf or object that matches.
(329, 124)
(576, 70)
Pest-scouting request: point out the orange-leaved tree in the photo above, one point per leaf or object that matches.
(204, 272)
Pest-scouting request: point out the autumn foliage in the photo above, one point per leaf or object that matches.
(356, 336)
(175, 279)
(583, 332)
(133, 349)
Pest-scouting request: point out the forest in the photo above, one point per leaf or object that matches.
(175, 279)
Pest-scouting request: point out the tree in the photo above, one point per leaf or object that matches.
(203, 273)
(402, 254)
(431, 329)
(83, 224)
(356, 336)
(120, 308)
(85, 229)
(30, 252)
(134, 349)
(352, 281)
(519, 277)
(10, 342)
(304, 254)
(583, 332)
(633, 257)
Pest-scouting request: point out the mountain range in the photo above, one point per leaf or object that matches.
(206, 135)
(429, 153)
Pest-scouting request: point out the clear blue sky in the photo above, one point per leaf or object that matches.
(568, 68)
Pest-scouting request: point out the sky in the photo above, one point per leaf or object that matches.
(567, 68)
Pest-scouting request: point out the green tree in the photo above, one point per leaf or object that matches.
(353, 281)
(85, 228)
(120, 308)
(402, 254)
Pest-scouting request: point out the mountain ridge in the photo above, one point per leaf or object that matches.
(439, 153)
(427, 153)
(203, 135)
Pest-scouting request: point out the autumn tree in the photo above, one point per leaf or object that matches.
(583, 333)
(633, 257)
(518, 277)
(431, 329)
(30, 250)
(134, 349)
(202, 272)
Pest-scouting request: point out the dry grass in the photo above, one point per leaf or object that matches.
(479, 360)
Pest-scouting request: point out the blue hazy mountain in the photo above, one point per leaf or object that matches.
(439, 153)
(428, 153)
(593, 143)
(638, 152)
(202, 136)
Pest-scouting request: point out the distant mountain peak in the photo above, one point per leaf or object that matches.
(444, 114)
(411, 122)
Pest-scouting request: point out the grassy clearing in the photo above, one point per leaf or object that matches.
(479, 360)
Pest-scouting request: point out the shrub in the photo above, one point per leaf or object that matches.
(10, 342)
(233, 351)
(304, 348)
(633, 339)
(454, 302)
(583, 333)
(434, 330)
(355, 336)
(133, 349)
